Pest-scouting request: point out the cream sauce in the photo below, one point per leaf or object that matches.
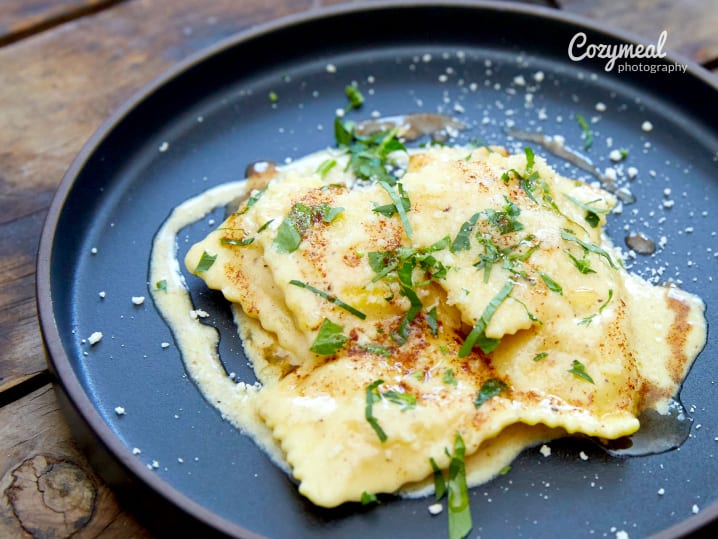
(197, 342)
(238, 400)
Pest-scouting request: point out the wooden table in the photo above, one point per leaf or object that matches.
(65, 65)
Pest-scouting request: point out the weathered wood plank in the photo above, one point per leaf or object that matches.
(48, 488)
(691, 24)
(20, 18)
(53, 98)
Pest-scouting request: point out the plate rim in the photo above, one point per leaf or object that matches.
(58, 360)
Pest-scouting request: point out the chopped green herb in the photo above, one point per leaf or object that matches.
(205, 262)
(288, 237)
(432, 322)
(462, 240)
(368, 155)
(398, 200)
(449, 377)
(579, 370)
(368, 498)
(329, 339)
(264, 226)
(161, 285)
(325, 166)
(527, 183)
(583, 265)
(252, 200)
(343, 132)
(529, 159)
(240, 243)
(389, 210)
(489, 389)
(491, 255)
(439, 482)
(587, 321)
(298, 221)
(592, 219)
(414, 309)
(372, 397)
(330, 298)
(405, 400)
(506, 469)
(273, 97)
(540, 356)
(588, 206)
(569, 236)
(477, 334)
(552, 285)
(624, 153)
(505, 220)
(459, 510)
(376, 349)
(356, 99)
(587, 136)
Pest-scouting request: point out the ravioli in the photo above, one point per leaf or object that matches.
(477, 295)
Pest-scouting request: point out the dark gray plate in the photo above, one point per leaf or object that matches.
(215, 115)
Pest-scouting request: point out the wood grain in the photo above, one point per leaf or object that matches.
(691, 24)
(48, 488)
(56, 88)
(20, 18)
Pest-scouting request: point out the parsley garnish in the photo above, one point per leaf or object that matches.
(264, 226)
(161, 285)
(506, 469)
(368, 155)
(449, 377)
(477, 334)
(459, 510)
(587, 321)
(369, 498)
(325, 166)
(252, 200)
(591, 216)
(592, 219)
(389, 210)
(432, 322)
(462, 240)
(330, 298)
(205, 262)
(399, 199)
(489, 389)
(405, 400)
(439, 482)
(529, 159)
(569, 236)
(376, 349)
(552, 285)
(540, 356)
(240, 243)
(372, 397)
(579, 370)
(505, 220)
(587, 136)
(329, 339)
(414, 309)
(583, 265)
(356, 99)
(273, 97)
(296, 224)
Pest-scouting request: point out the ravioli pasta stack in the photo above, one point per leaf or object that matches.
(475, 295)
